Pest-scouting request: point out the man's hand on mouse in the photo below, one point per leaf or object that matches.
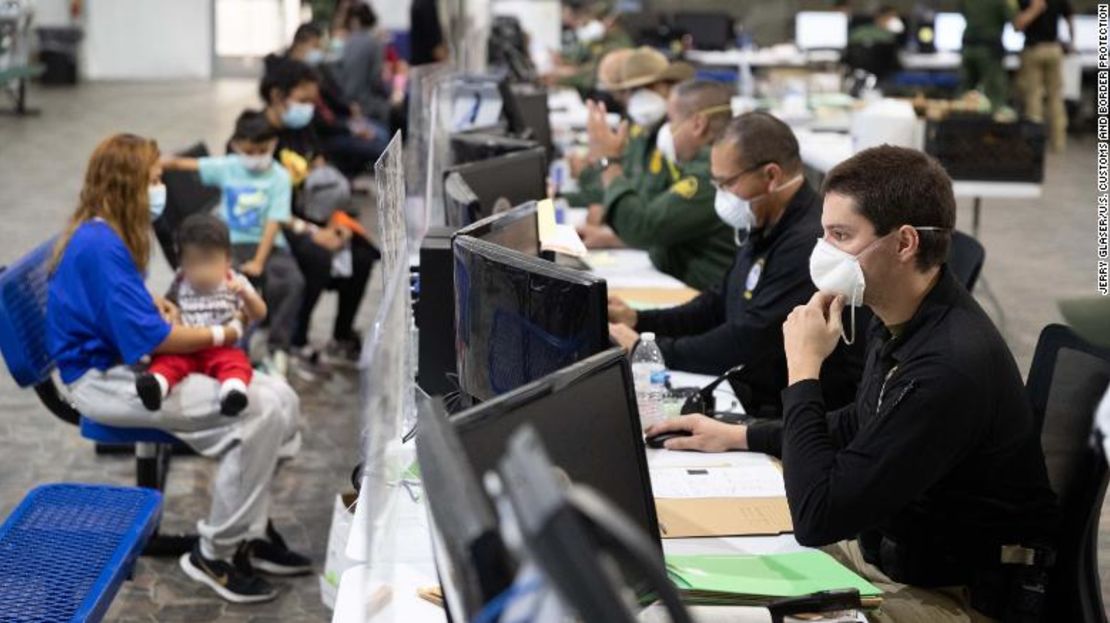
(706, 434)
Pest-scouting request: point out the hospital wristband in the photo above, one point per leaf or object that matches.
(218, 335)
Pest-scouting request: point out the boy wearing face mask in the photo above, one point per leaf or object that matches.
(933, 480)
(256, 201)
(675, 224)
(759, 196)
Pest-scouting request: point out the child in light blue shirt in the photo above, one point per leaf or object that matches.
(256, 202)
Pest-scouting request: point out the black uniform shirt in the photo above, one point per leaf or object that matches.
(938, 461)
(741, 321)
(1044, 28)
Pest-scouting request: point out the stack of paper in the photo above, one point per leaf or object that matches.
(757, 580)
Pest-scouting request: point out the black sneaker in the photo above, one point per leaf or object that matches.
(345, 352)
(234, 581)
(149, 390)
(271, 555)
(233, 403)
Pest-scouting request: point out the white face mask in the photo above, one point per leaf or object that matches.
(838, 272)
(896, 25)
(591, 31)
(664, 142)
(734, 211)
(256, 164)
(646, 107)
(156, 197)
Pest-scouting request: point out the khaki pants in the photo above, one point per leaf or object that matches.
(1041, 77)
(907, 604)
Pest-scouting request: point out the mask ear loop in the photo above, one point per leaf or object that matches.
(849, 341)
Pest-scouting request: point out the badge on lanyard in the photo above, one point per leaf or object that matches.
(754, 274)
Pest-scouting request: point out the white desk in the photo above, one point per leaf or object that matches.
(775, 56)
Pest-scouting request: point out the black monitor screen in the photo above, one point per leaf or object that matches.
(518, 318)
(507, 180)
(476, 146)
(527, 113)
(461, 205)
(516, 229)
(586, 416)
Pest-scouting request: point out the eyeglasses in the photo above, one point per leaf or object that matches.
(727, 183)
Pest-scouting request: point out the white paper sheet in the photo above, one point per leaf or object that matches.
(751, 481)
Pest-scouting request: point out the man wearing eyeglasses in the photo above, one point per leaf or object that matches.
(761, 194)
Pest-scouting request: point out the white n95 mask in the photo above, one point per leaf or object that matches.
(734, 211)
(646, 107)
(589, 32)
(838, 272)
(664, 142)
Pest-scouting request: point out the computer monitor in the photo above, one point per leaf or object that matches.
(518, 317)
(586, 416)
(461, 205)
(473, 564)
(948, 29)
(507, 180)
(821, 30)
(527, 114)
(1013, 40)
(707, 30)
(516, 229)
(1086, 32)
(475, 146)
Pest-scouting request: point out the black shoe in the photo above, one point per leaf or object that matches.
(344, 352)
(234, 581)
(233, 403)
(271, 555)
(149, 390)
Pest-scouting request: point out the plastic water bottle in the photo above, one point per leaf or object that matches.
(649, 376)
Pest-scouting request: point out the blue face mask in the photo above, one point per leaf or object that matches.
(297, 115)
(315, 56)
(156, 195)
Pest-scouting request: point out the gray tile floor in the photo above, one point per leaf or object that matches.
(1037, 252)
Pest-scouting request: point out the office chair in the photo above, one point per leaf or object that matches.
(23, 287)
(1067, 380)
(185, 196)
(965, 257)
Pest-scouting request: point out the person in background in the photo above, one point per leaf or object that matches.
(873, 47)
(932, 483)
(981, 66)
(596, 32)
(426, 42)
(762, 196)
(350, 140)
(643, 82)
(362, 66)
(678, 227)
(101, 322)
(289, 89)
(256, 202)
(1041, 73)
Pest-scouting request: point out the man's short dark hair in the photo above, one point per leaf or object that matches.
(307, 32)
(203, 231)
(763, 139)
(285, 74)
(696, 96)
(896, 186)
(253, 127)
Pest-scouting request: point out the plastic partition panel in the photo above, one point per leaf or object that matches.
(438, 143)
(422, 82)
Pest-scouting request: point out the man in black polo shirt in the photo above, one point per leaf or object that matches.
(761, 193)
(1042, 61)
(934, 477)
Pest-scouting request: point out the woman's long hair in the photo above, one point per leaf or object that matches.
(115, 189)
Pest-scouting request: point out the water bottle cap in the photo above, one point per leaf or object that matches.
(647, 336)
(659, 377)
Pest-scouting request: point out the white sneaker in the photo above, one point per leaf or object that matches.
(278, 364)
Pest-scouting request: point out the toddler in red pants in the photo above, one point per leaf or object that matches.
(208, 293)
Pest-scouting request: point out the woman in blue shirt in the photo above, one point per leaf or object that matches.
(101, 321)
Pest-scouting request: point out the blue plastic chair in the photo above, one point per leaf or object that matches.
(67, 548)
(23, 345)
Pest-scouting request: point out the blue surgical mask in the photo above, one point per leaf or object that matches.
(297, 115)
(156, 196)
(315, 56)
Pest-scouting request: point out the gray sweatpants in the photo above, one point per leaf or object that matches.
(248, 445)
(282, 286)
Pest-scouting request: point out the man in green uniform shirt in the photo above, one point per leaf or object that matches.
(982, 45)
(596, 32)
(679, 226)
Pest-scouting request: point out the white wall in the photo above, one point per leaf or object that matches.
(147, 39)
(52, 13)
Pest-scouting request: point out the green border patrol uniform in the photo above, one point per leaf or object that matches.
(982, 48)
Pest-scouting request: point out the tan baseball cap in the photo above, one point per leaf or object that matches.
(644, 66)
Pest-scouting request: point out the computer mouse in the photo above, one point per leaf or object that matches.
(657, 441)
